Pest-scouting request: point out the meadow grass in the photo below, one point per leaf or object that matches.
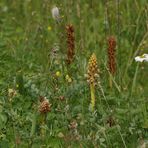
(33, 65)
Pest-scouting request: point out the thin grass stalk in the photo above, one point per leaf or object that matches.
(107, 19)
(121, 137)
(113, 80)
(118, 38)
(130, 59)
(134, 79)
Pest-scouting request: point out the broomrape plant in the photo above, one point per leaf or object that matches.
(111, 58)
(44, 108)
(92, 75)
(70, 43)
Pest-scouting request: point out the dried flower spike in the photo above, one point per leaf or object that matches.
(45, 106)
(111, 55)
(92, 75)
(70, 43)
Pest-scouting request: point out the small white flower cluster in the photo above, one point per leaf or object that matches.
(55, 13)
(142, 58)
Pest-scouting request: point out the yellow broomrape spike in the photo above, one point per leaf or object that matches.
(92, 75)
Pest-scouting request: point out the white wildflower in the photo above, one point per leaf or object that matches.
(55, 13)
(142, 58)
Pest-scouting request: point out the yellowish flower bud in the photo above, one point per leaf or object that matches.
(58, 74)
(49, 28)
(68, 79)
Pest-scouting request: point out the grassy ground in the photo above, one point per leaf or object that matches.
(33, 52)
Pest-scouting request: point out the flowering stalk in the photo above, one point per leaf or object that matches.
(43, 123)
(92, 75)
(70, 43)
(44, 108)
(92, 92)
(111, 58)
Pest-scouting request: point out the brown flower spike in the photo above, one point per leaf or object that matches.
(45, 106)
(70, 43)
(111, 55)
